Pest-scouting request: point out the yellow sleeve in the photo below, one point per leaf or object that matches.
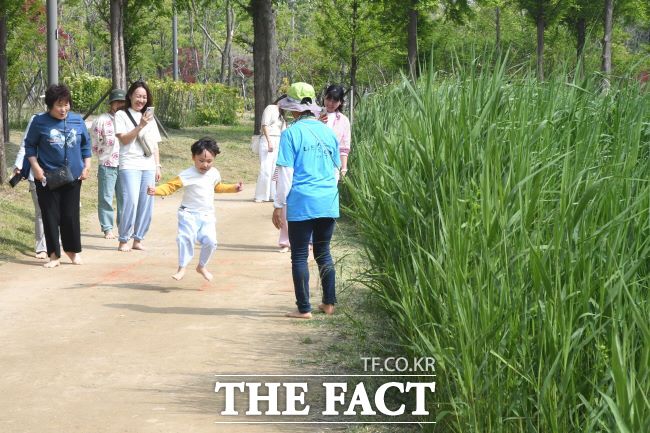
(225, 187)
(170, 187)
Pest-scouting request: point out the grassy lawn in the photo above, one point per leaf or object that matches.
(236, 162)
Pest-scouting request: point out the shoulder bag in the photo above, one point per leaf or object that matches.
(146, 148)
(60, 176)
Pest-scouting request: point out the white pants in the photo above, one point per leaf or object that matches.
(193, 227)
(39, 234)
(265, 189)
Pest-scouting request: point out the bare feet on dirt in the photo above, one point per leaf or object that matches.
(204, 272)
(298, 315)
(180, 273)
(53, 263)
(327, 308)
(75, 258)
(108, 234)
(123, 247)
(137, 245)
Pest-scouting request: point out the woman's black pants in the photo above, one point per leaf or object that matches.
(60, 211)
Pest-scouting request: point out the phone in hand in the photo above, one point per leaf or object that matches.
(323, 115)
(14, 180)
(149, 111)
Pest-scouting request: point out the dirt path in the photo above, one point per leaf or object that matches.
(116, 345)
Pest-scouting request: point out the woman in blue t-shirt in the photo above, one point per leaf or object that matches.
(56, 138)
(308, 156)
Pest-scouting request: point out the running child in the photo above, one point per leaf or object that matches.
(196, 217)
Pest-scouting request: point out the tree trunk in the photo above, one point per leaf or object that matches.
(540, 47)
(581, 36)
(497, 22)
(3, 158)
(4, 85)
(206, 51)
(607, 42)
(265, 54)
(195, 51)
(4, 124)
(174, 42)
(413, 40)
(354, 60)
(118, 56)
(226, 73)
(231, 18)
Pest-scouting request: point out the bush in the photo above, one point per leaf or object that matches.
(178, 104)
(181, 104)
(86, 90)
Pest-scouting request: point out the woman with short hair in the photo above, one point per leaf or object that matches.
(56, 139)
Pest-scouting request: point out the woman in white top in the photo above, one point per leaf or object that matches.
(137, 131)
(273, 124)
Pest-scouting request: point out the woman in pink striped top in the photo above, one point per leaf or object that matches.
(338, 122)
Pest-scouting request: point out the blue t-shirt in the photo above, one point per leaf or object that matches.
(46, 136)
(314, 192)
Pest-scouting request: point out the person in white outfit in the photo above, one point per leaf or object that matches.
(196, 217)
(273, 124)
(39, 235)
(135, 128)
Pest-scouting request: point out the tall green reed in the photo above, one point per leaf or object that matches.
(507, 229)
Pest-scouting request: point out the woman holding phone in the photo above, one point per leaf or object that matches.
(338, 122)
(140, 167)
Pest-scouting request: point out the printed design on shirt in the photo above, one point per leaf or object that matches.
(57, 138)
(320, 149)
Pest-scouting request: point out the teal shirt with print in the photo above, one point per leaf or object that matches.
(311, 149)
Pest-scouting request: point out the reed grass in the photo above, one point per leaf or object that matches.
(507, 229)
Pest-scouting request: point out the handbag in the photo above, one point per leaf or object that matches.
(255, 144)
(60, 176)
(146, 148)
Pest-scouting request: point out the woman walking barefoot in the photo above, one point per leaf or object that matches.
(307, 187)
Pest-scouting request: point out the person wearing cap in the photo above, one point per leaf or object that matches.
(307, 188)
(107, 148)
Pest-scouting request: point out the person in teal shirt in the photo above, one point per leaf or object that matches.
(307, 186)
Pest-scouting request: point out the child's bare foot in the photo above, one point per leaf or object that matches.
(298, 315)
(108, 234)
(123, 247)
(284, 249)
(137, 245)
(53, 263)
(203, 271)
(41, 255)
(180, 273)
(75, 258)
(327, 308)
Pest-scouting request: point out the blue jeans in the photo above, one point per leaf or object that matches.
(107, 183)
(137, 206)
(300, 233)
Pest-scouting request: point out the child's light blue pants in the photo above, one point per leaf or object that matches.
(193, 227)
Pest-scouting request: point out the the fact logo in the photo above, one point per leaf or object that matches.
(340, 396)
(295, 401)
